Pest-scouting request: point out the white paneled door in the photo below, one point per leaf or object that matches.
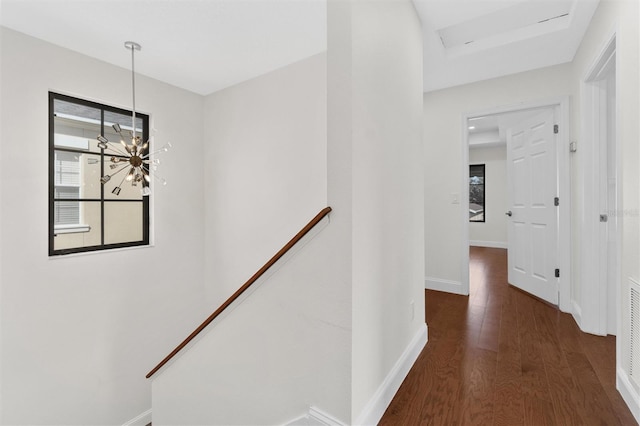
(532, 190)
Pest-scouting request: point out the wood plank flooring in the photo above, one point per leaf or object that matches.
(502, 357)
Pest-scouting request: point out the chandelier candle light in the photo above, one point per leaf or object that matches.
(136, 157)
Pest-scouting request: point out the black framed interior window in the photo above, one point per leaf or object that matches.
(476, 193)
(84, 214)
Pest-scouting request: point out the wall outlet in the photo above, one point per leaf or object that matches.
(412, 310)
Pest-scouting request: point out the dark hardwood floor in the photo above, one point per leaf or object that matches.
(502, 357)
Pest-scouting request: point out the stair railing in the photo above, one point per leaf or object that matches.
(308, 227)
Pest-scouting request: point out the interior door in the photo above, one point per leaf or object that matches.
(532, 188)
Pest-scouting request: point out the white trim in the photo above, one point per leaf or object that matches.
(576, 311)
(306, 420)
(598, 65)
(315, 417)
(594, 121)
(373, 411)
(489, 244)
(564, 190)
(439, 284)
(628, 393)
(464, 285)
(140, 420)
(326, 419)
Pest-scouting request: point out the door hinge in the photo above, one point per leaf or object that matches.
(556, 201)
(556, 129)
(557, 273)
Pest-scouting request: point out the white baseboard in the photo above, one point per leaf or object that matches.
(583, 324)
(141, 420)
(489, 244)
(431, 283)
(305, 420)
(629, 393)
(315, 417)
(326, 419)
(373, 411)
(576, 311)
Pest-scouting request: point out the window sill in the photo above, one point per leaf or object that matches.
(71, 229)
(99, 252)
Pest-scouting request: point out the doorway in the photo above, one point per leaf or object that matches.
(599, 301)
(521, 189)
(507, 118)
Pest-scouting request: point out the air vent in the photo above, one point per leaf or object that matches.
(634, 339)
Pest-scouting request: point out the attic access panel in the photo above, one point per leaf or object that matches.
(523, 14)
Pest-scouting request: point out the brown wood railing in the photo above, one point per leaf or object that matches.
(244, 287)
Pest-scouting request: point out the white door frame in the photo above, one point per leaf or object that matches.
(591, 308)
(564, 191)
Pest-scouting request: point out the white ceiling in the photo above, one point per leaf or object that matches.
(504, 37)
(199, 45)
(206, 45)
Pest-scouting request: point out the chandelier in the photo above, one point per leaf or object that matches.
(130, 154)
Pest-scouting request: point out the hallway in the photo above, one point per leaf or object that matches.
(502, 357)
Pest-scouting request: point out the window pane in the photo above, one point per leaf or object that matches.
(76, 175)
(76, 126)
(476, 174)
(122, 222)
(118, 180)
(67, 212)
(77, 224)
(66, 169)
(125, 125)
(476, 193)
(124, 120)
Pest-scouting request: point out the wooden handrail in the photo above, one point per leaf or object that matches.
(244, 287)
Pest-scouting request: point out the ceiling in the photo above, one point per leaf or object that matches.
(198, 45)
(206, 45)
(472, 40)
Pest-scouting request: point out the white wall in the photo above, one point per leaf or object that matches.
(283, 349)
(265, 174)
(288, 345)
(493, 231)
(620, 16)
(333, 326)
(478, 139)
(443, 112)
(2, 202)
(80, 332)
(388, 204)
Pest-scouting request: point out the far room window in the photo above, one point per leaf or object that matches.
(67, 187)
(84, 214)
(476, 193)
